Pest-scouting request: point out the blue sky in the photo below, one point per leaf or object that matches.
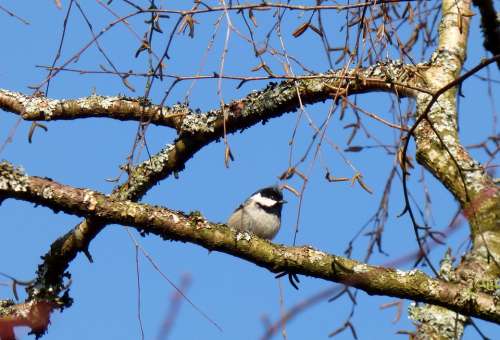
(234, 293)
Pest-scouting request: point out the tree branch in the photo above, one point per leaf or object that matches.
(440, 151)
(490, 25)
(193, 228)
(273, 101)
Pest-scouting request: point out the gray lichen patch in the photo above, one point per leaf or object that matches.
(439, 148)
(192, 121)
(488, 244)
(361, 268)
(33, 106)
(315, 256)
(243, 236)
(90, 199)
(388, 69)
(157, 163)
(12, 178)
(88, 103)
(141, 175)
(448, 324)
(199, 122)
(5, 304)
(395, 71)
(39, 106)
(270, 99)
(448, 60)
(48, 193)
(410, 273)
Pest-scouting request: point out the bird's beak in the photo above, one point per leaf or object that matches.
(283, 201)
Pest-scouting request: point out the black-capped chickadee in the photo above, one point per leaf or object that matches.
(260, 214)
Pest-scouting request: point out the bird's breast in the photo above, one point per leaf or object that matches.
(255, 220)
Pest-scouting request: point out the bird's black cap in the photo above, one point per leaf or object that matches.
(271, 192)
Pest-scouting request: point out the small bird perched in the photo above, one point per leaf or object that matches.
(260, 214)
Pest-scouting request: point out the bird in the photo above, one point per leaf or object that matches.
(260, 214)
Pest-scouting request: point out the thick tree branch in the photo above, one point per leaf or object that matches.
(439, 149)
(490, 25)
(174, 225)
(274, 100)
(438, 145)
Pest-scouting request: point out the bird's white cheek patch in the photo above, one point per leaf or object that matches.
(265, 201)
